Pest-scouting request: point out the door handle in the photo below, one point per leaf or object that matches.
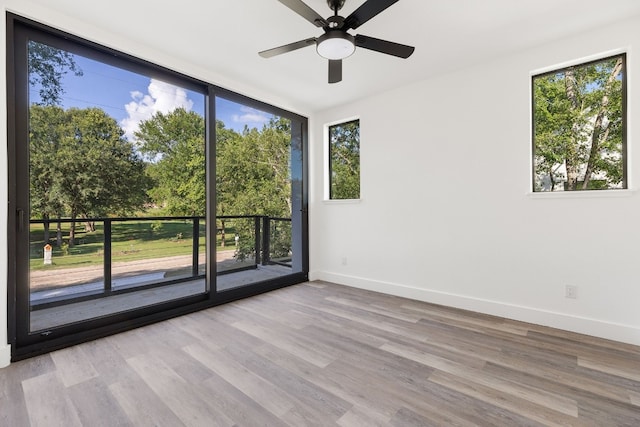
(20, 213)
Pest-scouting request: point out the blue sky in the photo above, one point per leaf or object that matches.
(129, 97)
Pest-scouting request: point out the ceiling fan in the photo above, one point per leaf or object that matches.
(336, 43)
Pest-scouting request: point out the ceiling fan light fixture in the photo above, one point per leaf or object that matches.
(336, 44)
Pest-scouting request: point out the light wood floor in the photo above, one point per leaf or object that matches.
(323, 354)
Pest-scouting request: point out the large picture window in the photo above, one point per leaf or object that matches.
(579, 127)
(344, 160)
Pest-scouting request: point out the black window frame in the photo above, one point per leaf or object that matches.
(624, 101)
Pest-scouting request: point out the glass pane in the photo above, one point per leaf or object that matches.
(59, 270)
(344, 160)
(254, 195)
(579, 139)
(117, 189)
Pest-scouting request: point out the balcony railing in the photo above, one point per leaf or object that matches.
(246, 241)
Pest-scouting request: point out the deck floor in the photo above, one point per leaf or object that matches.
(58, 315)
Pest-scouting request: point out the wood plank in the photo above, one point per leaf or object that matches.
(504, 400)
(142, 405)
(73, 365)
(308, 351)
(102, 412)
(181, 397)
(48, 403)
(358, 416)
(270, 397)
(617, 366)
(315, 403)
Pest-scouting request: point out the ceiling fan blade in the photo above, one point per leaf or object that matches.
(383, 46)
(335, 70)
(301, 8)
(368, 10)
(287, 48)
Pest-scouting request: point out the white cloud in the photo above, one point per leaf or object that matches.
(161, 98)
(250, 116)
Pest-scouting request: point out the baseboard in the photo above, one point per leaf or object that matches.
(5, 356)
(608, 330)
(314, 275)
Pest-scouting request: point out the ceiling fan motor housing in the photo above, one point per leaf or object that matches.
(335, 4)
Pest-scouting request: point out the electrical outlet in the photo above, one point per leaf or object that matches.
(344, 260)
(571, 292)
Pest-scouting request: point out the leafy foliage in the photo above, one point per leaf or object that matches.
(81, 164)
(174, 143)
(47, 66)
(253, 178)
(578, 127)
(252, 171)
(344, 155)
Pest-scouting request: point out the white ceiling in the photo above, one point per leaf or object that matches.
(224, 36)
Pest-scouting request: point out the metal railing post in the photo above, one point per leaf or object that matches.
(107, 256)
(195, 246)
(266, 240)
(258, 239)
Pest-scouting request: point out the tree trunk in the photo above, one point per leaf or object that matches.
(59, 233)
(46, 225)
(222, 243)
(72, 231)
(598, 126)
(571, 159)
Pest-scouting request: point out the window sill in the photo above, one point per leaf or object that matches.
(588, 194)
(341, 201)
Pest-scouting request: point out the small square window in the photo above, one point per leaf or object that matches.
(579, 127)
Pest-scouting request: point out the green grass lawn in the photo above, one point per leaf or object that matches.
(131, 240)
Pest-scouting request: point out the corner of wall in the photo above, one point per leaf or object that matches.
(314, 275)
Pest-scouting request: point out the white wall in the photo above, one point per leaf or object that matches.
(116, 41)
(445, 214)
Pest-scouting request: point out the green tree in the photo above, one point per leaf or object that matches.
(252, 168)
(253, 171)
(578, 125)
(253, 177)
(46, 130)
(174, 144)
(224, 171)
(84, 165)
(47, 66)
(344, 153)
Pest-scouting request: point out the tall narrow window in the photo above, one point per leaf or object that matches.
(579, 138)
(344, 160)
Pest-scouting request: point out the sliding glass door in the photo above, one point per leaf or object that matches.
(140, 193)
(113, 185)
(258, 194)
